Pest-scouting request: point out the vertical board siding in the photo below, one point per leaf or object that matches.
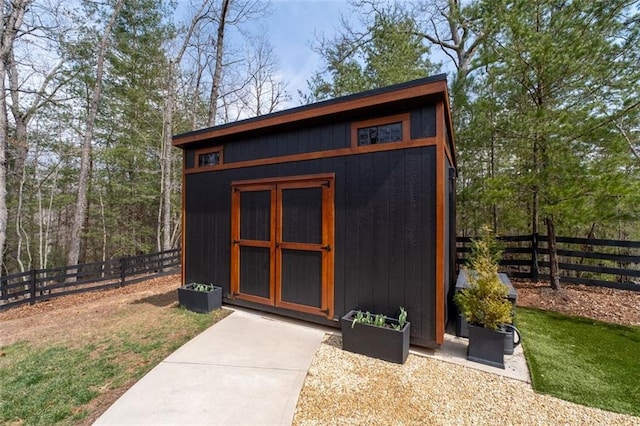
(382, 243)
(414, 222)
(428, 231)
(298, 141)
(384, 230)
(189, 158)
(423, 122)
(340, 165)
(309, 139)
(398, 162)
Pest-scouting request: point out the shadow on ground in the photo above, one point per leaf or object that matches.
(333, 340)
(160, 300)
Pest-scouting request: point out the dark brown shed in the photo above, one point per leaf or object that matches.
(339, 205)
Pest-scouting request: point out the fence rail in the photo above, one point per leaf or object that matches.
(44, 284)
(603, 263)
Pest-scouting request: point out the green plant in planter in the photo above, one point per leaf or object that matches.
(485, 302)
(402, 319)
(378, 336)
(202, 287)
(379, 320)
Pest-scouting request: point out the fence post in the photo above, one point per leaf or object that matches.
(534, 257)
(32, 284)
(123, 271)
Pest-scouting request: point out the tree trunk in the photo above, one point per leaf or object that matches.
(535, 210)
(80, 214)
(3, 167)
(11, 24)
(166, 183)
(19, 141)
(19, 228)
(217, 72)
(554, 274)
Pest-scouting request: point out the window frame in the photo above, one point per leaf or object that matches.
(404, 119)
(205, 151)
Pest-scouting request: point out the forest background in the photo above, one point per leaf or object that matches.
(545, 101)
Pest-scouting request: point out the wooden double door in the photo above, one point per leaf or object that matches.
(282, 243)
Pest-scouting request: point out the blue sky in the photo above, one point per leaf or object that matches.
(291, 29)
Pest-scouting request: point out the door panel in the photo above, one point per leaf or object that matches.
(282, 239)
(255, 271)
(302, 215)
(255, 220)
(301, 281)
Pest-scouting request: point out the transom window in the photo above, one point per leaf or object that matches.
(380, 134)
(367, 134)
(209, 157)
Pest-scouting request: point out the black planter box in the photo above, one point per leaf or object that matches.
(486, 346)
(377, 342)
(200, 301)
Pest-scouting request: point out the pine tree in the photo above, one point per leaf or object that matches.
(389, 52)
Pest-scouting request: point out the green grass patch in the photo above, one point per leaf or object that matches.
(56, 382)
(581, 360)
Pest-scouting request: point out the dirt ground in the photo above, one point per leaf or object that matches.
(83, 314)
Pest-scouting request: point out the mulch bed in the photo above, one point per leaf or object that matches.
(604, 304)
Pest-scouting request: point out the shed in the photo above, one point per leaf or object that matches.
(320, 209)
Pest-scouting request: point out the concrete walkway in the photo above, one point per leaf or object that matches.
(248, 369)
(245, 370)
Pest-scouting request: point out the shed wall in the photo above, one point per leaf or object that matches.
(308, 139)
(384, 222)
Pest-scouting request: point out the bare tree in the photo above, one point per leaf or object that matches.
(12, 14)
(164, 212)
(448, 25)
(83, 178)
(22, 116)
(265, 92)
(217, 70)
(232, 13)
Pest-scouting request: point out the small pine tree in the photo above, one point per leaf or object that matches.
(485, 301)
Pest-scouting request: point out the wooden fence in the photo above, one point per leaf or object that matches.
(604, 263)
(44, 284)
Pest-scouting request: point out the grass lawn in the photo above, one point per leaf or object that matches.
(582, 360)
(70, 379)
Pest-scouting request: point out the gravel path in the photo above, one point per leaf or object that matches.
(344, 388)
